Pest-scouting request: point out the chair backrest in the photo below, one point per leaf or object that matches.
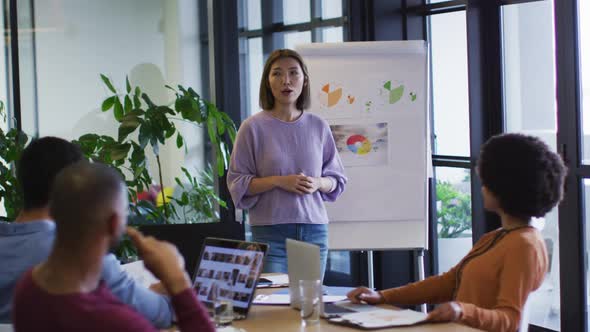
(6, 328)
(524, 317)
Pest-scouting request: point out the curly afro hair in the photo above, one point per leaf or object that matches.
(523, 173)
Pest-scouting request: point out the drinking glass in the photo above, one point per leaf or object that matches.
(309, 295)
(222, 298)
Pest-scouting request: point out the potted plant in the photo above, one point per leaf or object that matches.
(12, 144)
(143, 123)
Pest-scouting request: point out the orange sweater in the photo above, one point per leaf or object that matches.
(494, 280)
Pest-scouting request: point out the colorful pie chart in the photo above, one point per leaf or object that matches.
(358, 144)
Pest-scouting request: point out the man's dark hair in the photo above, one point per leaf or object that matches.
(40, 162)
(83, 197)
(523, 173)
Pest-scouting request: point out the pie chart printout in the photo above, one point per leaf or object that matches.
(358, 144)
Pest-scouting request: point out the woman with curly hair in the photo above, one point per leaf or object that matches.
(521, 179)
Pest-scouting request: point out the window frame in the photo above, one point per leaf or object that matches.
(486, 119)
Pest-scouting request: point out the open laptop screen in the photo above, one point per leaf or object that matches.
(233, 267)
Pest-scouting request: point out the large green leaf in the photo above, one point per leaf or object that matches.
(127, 85)
(169, 132)
(88, 138)
(108, 83)
(118, 110)
(138, 155)
(185, 107)
(108, 103)
(220, 164)
(147, 100)
(228, 121)
(212, 130)
(220, 123)
(144, 135)
(171, 88)
(128, 105)
(120, 151)
(136, 102)
(136, 97)
(179, 140)
(129, 123)
(193, 93)
(196, 105)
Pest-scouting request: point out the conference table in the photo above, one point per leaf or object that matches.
(267, 318)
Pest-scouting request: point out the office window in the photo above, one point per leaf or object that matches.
(530, 108)
(453, 215)
(292, 39)
(254, 72)
(333, 35)
(450, 118)
(76, 40)
(586, 207)
(4, 72)
(331, 9)
(291, 22)
(296, 11)
(253, 14)
(584, 35)
(450, 103)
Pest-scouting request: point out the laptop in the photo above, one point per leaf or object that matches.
(233, 266)
(303, 263)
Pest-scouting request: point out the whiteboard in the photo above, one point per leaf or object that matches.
(374, 95)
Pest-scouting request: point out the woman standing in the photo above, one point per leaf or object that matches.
(285, 164)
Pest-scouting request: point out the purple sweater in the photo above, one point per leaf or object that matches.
(37, 310)
(266, 146)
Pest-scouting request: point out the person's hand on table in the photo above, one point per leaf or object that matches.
(365, 294)
(446, 312)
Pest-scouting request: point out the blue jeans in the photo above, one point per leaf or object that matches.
(275, 236)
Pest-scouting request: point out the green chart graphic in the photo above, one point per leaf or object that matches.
(395, 94)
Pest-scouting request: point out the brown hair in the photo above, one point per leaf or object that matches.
(267, 100)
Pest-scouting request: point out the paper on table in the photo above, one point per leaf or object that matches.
(333, 298)
(284, 299)
(271, 299)
(276, 280)
(381, 318)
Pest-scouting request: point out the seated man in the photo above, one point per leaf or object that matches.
(521, 178)
(27, 241)
(65, 293)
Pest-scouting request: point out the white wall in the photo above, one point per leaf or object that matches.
(155, 42)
